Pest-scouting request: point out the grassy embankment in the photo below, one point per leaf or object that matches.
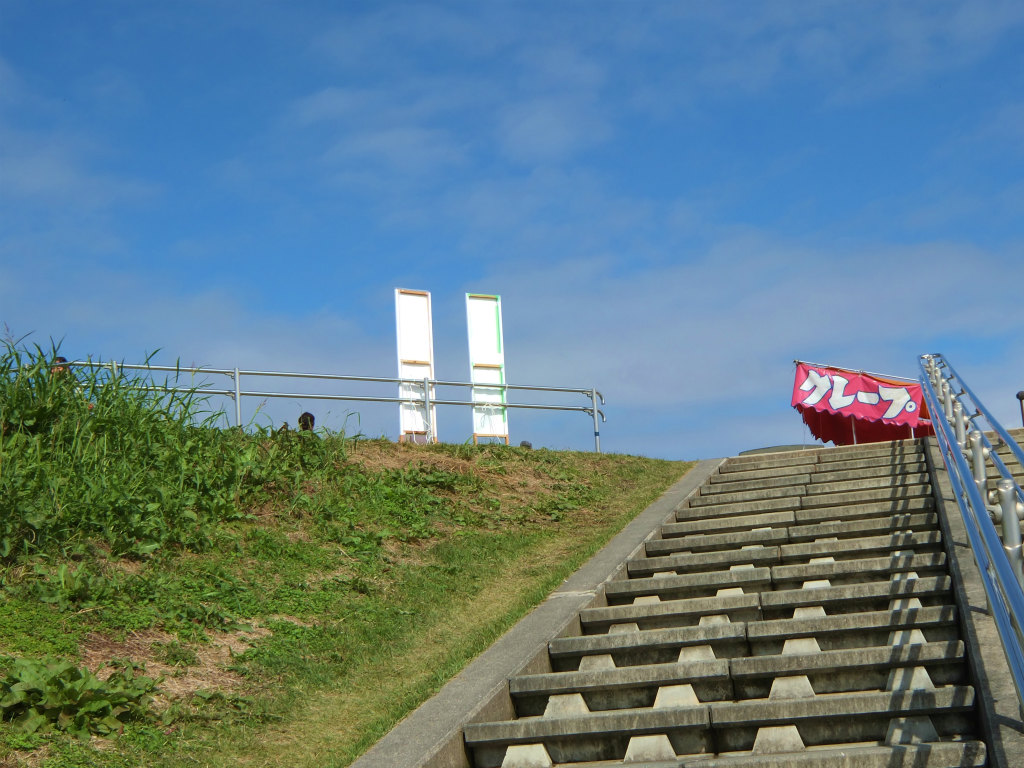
(173, 594)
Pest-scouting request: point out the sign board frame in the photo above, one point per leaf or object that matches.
(414, 328)
(487, 366)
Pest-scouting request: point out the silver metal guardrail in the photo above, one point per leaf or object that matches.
(236, 392)
(957, 416)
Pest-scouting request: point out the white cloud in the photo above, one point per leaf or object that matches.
(52, 171)
(1002, 131)
(728, 326)
(549, 129)
(389, 36)
(852, 51)
(48, 168)
(401, 150)
(561, 67)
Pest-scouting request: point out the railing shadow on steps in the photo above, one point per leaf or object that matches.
(965, 430)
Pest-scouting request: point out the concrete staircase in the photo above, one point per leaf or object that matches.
(798, 611)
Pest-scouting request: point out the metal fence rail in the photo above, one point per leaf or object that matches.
(236, 392)
(955, 412)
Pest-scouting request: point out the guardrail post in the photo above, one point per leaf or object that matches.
(597, 424)
(426, 411)
(1011, 525)
(238, 397)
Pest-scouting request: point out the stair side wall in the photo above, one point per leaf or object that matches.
(1000, 714)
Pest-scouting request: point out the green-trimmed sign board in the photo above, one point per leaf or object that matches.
(487, 366)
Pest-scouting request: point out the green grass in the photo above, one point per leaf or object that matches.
(293, 595)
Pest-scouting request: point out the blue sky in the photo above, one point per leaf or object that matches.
(674, 199)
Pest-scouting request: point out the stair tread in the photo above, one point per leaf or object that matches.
(942, 754)
(753, 713)
(673, 637)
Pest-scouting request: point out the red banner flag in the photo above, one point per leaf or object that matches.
(830, 399)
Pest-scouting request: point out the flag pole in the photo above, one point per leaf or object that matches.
(855, 370)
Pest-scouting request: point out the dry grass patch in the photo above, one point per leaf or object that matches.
(206, 670)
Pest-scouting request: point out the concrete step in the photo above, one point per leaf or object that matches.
(671, 613)
(656, 646)
(862, 511)
(728, 483)
(708, 525)
(860, 585)
(727, 640)
(897, 497)
(702, 561)
(860, 629)
(704, 584)
(792, 551)
(838, 671)
(733, 473)
(849, 669)
(858, 519)
(829, 452)
(622, 687)
(810, 489)
(944, 754)
(825, 720)
(859, 596)
(717, 541)
(857, 571)
(908, 467)
(925, 521)
(831, 719)
(596, 736)
(888, 451)
(919, 543)
(833, 459)
(707, 506)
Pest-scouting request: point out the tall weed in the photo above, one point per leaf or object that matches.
(94, 456)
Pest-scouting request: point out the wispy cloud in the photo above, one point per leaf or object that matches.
(53, 170)
(45, 165)
(727, 325)
(849, 52)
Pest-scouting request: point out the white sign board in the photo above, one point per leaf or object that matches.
(415, 361)
(487, 365)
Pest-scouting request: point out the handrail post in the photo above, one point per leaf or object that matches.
(960, 424)
(238, 397)
(978, 457)
(1011, 526)
(947, 400)
(597, 424)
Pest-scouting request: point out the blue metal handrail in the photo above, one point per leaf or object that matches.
(949, 401)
